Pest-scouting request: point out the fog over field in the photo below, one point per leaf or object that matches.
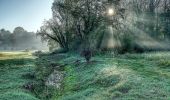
(20, 39)
(84, 50)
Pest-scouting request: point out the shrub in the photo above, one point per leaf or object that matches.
(87, 54)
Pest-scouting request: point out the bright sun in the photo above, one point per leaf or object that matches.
(111, 11)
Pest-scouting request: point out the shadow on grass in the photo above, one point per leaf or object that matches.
(11, 62)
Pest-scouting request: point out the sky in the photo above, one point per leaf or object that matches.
(28, 14)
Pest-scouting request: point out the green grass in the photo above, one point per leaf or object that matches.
(124, 77)
(13, 66)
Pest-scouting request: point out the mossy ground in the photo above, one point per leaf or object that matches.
(13, 66)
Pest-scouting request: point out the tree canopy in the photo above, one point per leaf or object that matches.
(78, 24)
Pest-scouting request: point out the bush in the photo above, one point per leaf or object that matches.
(87, 54)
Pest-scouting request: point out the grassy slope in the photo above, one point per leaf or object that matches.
(13, 65)
(130, 76)
(126, 77)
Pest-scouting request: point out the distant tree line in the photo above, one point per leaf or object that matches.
(19, 39)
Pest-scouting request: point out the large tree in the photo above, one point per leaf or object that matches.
(78, 19)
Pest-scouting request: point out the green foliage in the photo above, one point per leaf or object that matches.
(45, 65)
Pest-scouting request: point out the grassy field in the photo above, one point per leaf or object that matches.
(13, 66)
(123, 77)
